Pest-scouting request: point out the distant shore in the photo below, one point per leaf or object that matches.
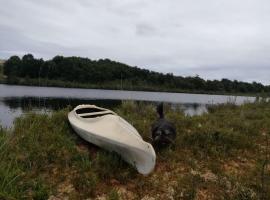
(115, 86)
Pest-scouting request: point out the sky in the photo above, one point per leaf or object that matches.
(211, 38)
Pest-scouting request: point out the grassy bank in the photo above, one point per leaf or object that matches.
(220, 155)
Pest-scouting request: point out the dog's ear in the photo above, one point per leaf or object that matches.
(160, 110)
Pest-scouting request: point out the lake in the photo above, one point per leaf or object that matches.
(17, 100)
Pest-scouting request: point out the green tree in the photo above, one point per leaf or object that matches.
(12, 66)
(84, 70)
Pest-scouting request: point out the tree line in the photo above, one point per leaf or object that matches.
(87, 71)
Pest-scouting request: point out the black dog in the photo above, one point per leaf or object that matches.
(163, 131)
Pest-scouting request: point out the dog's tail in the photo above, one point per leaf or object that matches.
(160, 110)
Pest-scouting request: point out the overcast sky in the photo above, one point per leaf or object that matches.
(212, 38)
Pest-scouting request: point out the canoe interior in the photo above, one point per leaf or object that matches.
(88, 110)
(96, 115)
(92, 112)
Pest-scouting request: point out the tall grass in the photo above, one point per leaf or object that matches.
(9, 171)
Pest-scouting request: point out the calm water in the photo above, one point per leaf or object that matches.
(17, 100)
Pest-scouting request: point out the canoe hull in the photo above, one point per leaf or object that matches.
(119, 138)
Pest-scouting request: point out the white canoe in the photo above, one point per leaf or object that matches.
(107, 130)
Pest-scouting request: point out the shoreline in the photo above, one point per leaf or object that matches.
(63, 84)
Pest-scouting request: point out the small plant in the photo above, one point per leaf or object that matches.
(41, 192)
(187, 187)
(244, 193)
(85, 182)
(113, 195)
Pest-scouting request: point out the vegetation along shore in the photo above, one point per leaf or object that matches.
(106, 74)
(222, 154)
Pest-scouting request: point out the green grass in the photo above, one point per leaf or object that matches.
(220, 155)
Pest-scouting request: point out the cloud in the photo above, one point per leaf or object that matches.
(214, 39)
(146, 29)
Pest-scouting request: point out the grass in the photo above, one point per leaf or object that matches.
(223, 154)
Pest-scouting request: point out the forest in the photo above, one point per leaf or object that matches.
(107, 72)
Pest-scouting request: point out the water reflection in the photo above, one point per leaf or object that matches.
(32, 103)
(194, 109)
(8, 114)
(12, 107)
